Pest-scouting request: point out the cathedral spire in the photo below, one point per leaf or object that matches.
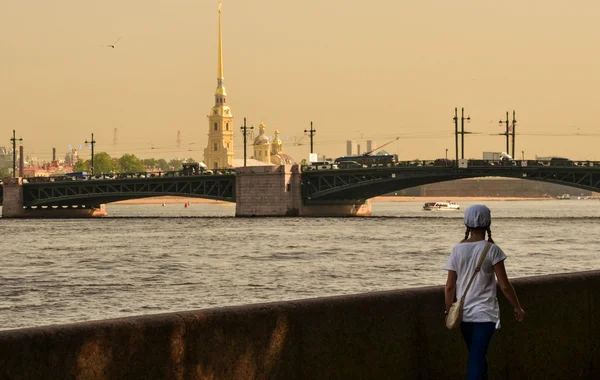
(220, 55)
(219, 151)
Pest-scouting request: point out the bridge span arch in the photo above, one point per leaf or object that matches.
(363, 184)
(96, 192)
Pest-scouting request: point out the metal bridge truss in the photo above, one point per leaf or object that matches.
(360, 184)
(95, 192)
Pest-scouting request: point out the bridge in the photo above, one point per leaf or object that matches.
(64, 193)
(362, 184)
(296, 188)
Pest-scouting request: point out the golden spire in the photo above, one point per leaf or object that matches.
(220, 87)
(220, 68)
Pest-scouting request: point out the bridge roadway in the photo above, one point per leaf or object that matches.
(317, 186)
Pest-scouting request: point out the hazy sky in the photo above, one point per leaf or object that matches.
(357, 69)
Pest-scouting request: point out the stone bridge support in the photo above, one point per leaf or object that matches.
(14, 205)
(277, 191)
(12, 198)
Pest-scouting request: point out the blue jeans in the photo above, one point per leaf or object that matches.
(478, 336)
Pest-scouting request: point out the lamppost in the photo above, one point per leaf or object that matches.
(462, 132)
(523, 155)
(311, 133)
(514, 126)
(245, 132)
(14, 144)
(93, 142)
(446, 154)
(456, 133)
(506, 133)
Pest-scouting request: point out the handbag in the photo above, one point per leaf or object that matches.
(454, 316)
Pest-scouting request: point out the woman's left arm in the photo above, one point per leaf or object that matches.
(450, 290)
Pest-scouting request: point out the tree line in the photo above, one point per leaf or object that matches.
(127, 163)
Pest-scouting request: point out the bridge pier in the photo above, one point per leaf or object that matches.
(13, 205)
(268, 191)
(277, 191)
(12, 198)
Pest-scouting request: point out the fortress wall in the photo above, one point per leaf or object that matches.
(493, 187)
(383, 335)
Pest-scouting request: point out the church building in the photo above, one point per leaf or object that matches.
(219, 152)
(270, 150)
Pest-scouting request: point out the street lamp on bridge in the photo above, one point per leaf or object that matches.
(14, 146)
(245, 132)
(311, 133)
(92, 143)
(455, 119)
(462, 131)
(510, 131)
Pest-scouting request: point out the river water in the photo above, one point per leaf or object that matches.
(152, 259)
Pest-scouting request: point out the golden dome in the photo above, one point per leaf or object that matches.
(282, 159)
(262, 138)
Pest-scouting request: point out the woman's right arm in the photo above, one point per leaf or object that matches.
(508, 290)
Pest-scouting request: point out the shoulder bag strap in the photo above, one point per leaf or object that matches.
(481, 258)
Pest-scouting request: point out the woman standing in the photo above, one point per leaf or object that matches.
(481, 313)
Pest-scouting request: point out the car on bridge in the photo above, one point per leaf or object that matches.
(350, 165)
(443, 162)
(321, 165)
(76, 176)
(195, 168)
(560, 161)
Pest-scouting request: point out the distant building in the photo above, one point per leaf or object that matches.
(71, 157)
(350, 147)
(371, 146)
(358, 149)
(32, 160)
(46, 170)
(6, 158)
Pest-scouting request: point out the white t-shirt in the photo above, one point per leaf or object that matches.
(481, 304)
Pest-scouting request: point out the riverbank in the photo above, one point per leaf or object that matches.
(452, 199)
(182, 200)
(168, 200)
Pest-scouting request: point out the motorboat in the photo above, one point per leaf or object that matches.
(441, 206)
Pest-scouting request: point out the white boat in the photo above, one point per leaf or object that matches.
(441, 206)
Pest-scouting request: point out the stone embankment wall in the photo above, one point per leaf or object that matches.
(494, 187)
(384, 335)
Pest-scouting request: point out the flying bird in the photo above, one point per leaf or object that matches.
(114, 43)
